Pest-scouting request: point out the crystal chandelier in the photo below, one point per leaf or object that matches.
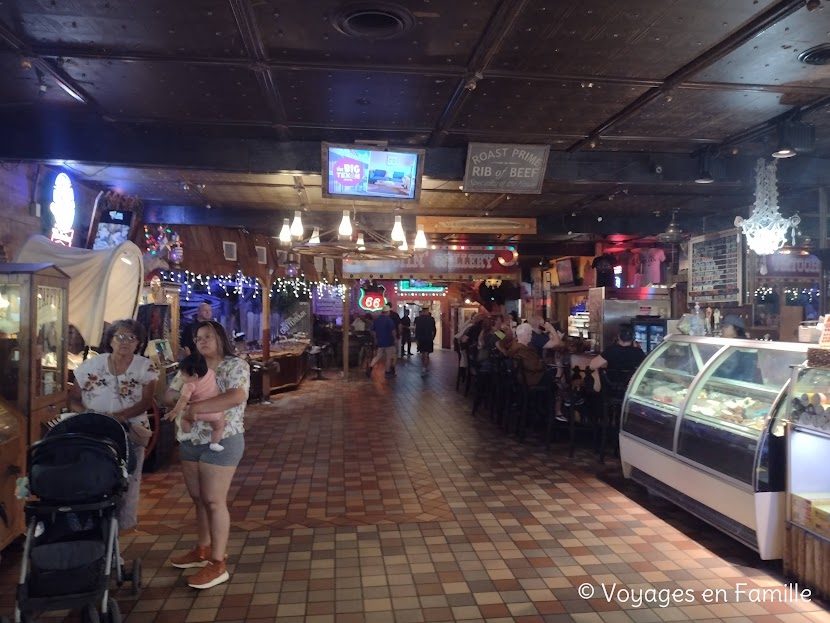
(766, 229)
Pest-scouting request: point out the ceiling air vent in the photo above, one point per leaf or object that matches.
(819, 55)
(373, 21)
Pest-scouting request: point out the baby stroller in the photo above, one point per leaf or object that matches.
(79, 472)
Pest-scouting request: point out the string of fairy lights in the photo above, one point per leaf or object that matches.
(238, 283)
(797, 296)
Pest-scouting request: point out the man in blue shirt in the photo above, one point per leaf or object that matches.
(385, 338)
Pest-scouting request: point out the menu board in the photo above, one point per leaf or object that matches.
(715, 268)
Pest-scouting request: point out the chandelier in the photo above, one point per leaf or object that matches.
(766, 229)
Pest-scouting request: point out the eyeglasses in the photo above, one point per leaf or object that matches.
(123, 337)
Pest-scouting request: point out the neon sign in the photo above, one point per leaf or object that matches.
(63, 210)
(406, 286)
(372, 300)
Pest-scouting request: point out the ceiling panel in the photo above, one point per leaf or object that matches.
(202, 28)
(772, 56)
(519, 106)
(363, 99)
(707, 114)
(171, 90)
(442, 34)
(635, 38)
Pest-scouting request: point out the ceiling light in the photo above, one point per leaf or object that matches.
(420, 239)
(285, 232)
(361, 243)
(315, 236)
(297, 225)
(345, 229)
(404, 246)
(784, 151)
(704, 178)
(397, 230)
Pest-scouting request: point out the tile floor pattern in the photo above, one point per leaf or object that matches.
(385, 501)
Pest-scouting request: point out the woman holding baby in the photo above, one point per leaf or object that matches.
(208, 472)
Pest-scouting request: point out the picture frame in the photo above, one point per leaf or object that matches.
(229, 250)
(115, 219)
(261, 255)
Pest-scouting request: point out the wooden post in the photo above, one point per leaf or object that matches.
(346, 326)
(266, 337)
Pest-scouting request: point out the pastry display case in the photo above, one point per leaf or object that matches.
(703, 425)
(807, 554)
(33, 341)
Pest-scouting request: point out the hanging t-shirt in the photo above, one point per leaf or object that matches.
(651, 259)
(630, 262)
(604, 267)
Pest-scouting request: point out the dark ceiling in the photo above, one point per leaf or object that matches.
(190, 103)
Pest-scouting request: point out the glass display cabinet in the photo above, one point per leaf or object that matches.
(33, 331)
(703, 426)
(807, 554)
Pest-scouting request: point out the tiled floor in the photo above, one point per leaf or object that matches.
(383, 500)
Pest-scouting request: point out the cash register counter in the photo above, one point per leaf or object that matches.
(286, 368)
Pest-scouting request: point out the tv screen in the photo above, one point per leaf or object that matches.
(565, 272)
(372, 173)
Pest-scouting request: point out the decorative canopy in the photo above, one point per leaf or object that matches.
(105, 285)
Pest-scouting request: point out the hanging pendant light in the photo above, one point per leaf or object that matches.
(361, 243)
(315, 236)
(404, 246)
(397, 230)
(297, 225)
(345, 229)
(285, 232)
(420, 239)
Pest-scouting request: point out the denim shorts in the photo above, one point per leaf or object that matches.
(201, 453)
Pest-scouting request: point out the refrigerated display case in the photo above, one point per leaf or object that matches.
(649, 332)
(807, 551)
(703, 426)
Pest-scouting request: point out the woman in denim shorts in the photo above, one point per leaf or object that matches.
(208, 474)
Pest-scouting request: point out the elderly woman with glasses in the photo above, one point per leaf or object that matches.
(120, 383)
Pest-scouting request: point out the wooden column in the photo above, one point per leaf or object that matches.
(266, 336)
(347, 303)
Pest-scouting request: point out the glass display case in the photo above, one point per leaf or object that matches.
(703, 426)
(33, 344)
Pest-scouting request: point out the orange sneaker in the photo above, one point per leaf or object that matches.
(197, 557)
(215, 573)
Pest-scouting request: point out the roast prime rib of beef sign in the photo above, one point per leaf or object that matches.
(450, 264)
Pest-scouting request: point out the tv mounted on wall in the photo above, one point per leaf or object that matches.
(367, 172)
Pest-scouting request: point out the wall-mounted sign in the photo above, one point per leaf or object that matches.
(475, 225)
(406, 285)
(499, 168)
(793, 265)
(115, 219)
(451, 264)
(63, 210)
(327, 302)
(372, 299)
(716, 268)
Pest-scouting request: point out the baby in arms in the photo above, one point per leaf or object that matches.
(199, 384)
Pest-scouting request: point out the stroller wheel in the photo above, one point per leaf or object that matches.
(113, 614)
(90, 614)
(135, 577)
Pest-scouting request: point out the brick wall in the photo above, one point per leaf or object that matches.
(16, 223)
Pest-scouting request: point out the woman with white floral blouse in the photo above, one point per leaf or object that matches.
(208, 474)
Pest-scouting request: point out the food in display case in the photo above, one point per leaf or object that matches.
(747, 411)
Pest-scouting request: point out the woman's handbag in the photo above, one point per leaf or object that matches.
(140, 434)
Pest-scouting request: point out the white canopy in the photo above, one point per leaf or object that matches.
(105, 285)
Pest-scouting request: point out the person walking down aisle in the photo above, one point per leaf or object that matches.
(406, 333)
(425, 336)
(385, 338)
(208, 474)
(188, 345)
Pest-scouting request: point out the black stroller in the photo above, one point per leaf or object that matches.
(78, 471)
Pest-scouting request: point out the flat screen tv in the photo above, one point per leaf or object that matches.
(372, 173)
(565, 272)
